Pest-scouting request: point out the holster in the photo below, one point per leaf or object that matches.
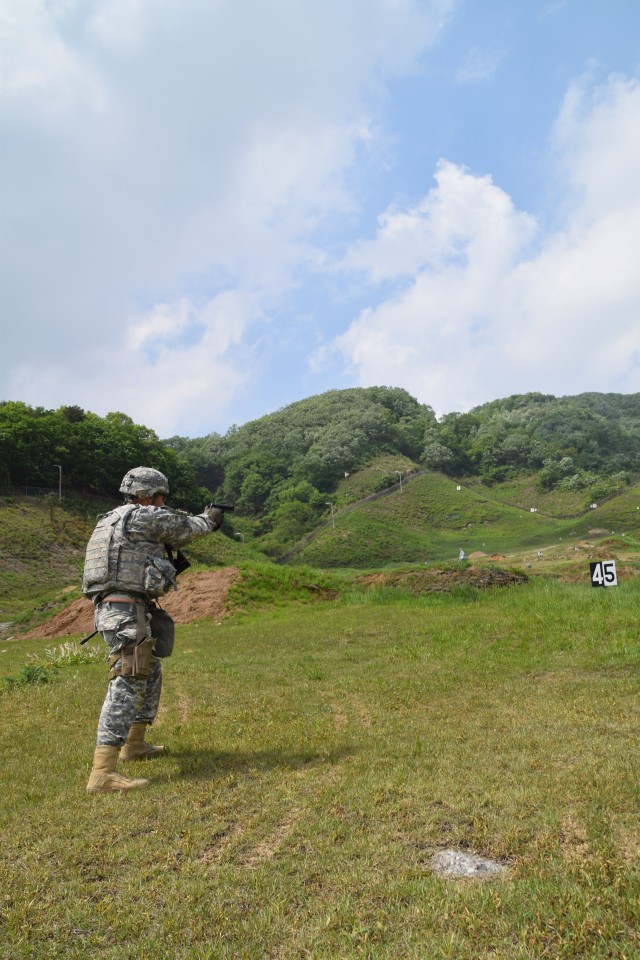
(134, 660)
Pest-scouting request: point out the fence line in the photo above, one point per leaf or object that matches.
(68, 493)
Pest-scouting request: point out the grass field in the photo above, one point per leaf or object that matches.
(318, 757)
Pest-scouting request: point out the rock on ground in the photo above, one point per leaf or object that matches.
(455, 863)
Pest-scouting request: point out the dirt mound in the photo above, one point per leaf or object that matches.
(580, 572)
(442, 581)
(199, 595)
(76, 618)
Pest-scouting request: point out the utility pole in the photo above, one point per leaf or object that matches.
(59, 480)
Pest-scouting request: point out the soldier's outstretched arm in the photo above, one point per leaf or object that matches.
(163, 525)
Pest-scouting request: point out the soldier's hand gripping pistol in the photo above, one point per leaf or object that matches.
(215, 512)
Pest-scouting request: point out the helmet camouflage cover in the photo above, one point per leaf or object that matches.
(144, 482)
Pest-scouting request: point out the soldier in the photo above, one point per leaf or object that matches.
(125, 570)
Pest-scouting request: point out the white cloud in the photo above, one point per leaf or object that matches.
(464, 218)
(162, 151)
(180, 353)
(174, 169)
(36, 61)
(162, 323)
(120, 24)
(171, 370)
(597, 142)
(477, 312)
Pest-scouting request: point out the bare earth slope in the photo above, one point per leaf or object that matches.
(200, 595)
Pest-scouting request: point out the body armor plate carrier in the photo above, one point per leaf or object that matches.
(115, 562)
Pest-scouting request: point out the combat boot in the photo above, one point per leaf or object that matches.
(104, 777)
(136, 749)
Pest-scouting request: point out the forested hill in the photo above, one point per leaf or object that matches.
(576, 441)
(281, 469)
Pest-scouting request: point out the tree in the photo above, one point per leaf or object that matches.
(93, 452)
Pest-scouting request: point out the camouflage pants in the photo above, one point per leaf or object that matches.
(129, 700)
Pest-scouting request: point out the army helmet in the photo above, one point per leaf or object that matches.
(144, 482)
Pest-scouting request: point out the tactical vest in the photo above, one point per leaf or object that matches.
(115, 562)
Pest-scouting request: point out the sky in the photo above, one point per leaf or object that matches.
(210, 209)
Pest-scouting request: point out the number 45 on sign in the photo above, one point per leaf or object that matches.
(603, 573)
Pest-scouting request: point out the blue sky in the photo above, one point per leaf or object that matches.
(211, 210)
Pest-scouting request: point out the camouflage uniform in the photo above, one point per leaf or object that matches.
(145, 530)
(129, 699)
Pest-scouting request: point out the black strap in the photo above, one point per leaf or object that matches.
(179, 561)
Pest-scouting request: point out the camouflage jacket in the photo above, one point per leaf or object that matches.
(126, 551)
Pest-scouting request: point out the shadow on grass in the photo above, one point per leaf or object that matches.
(205, 764)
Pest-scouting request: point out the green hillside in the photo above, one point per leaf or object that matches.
(526, 492)
(357, 478)
(433, 518)
(284, 469)
(621, 512)
(430, 519)
(43, 544)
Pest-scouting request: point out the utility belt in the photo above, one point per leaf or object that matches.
(136, 657)
(123, 598)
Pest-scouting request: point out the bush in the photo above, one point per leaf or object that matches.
(42, 669)
(31, 674)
